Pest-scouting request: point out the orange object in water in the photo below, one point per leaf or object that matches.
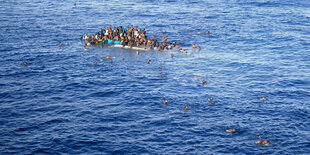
(265, 142)
(262, 98)
(233, 130)
(186, 108)
(108, 57)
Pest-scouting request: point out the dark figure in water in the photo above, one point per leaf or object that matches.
(203, 82)
(25, 64)
(149, 62)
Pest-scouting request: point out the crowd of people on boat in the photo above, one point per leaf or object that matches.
(127, 36)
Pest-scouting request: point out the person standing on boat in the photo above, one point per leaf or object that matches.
(130, 31)
(122, 38)
(125, 39)
(105, 39)
(144, 32)
(154, 42)
(101, 31)
(115, 34)
(125, 29)
(106, 33)
(110, 33)
(143, 39)
(164, 39)
(120, 30)
(136, 32)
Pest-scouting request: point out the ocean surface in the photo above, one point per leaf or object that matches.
(61, 103)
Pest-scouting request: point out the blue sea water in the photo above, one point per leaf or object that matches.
(63, 104)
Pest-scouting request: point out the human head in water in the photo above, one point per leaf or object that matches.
(186, 108)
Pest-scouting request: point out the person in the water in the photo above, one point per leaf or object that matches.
(233, 130)
(262, 98)
(211, 100)
(203, 82)
(186, 108)
(259, 140)
(262, 142)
